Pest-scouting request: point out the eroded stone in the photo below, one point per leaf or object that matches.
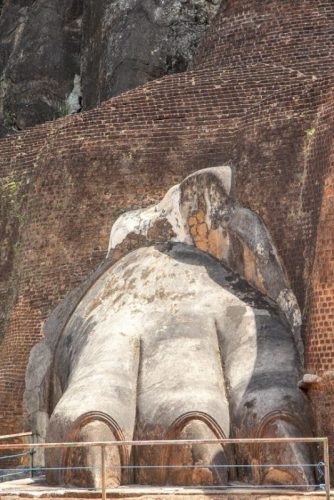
(168, 341)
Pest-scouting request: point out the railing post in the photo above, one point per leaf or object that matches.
(327, 470)
(32, 452)
(103, 472)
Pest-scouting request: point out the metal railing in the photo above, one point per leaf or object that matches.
(20, 435)
(103, 445)
(16, 472)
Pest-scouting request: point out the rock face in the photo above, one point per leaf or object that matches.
(39, 58)
(130, 42)
(166, 341)
(57, 55)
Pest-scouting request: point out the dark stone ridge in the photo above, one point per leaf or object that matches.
(129, 43)
(57, 56)
(39, 57)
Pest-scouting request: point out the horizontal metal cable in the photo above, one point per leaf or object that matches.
(176, 466)
(17, 455)
(15, 436)
(12, 474)
(164, 442)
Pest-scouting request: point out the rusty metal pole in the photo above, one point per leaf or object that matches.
(327, 469)
(32, 451)
(158, 442)
(14, 436)
(103, 472)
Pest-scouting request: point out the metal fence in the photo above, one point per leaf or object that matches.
(6, 473)
(28, 449)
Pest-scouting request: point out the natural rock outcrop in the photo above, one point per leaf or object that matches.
(59, 55)
(39, 58)
(168, 342)
(128, 43)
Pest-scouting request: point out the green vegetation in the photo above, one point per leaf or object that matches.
(12, 188)
(12, 199)
(310, 132)
(17, 248)
(119, 211)
(62, 110)
(9, 119)
(60, 205)
(22, 218)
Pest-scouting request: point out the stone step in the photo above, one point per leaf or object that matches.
(28, 488)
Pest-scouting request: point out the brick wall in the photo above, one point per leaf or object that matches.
(288, 33)
(320, 327)
(258, 98)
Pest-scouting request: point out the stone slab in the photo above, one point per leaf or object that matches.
(30, 488)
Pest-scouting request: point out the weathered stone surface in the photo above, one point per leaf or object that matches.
(143, 349)
(167, 342)
(202, 211)
(130, 42)
(45, 71)
(308, 380)
(39, 58)
(23, 490)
